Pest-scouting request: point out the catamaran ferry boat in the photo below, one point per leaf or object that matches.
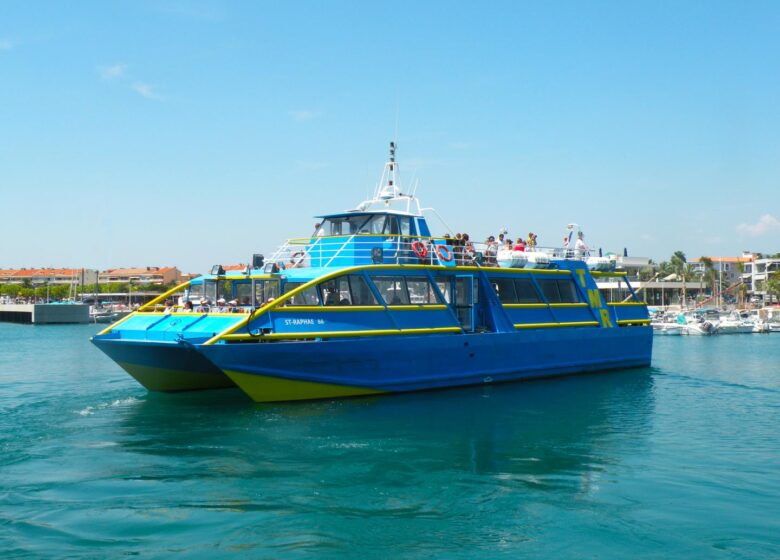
(373, 303)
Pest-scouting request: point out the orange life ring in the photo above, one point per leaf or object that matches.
(444, 253)
(419, 249)
(297, 258)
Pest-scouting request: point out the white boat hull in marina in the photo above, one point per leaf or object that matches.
(668, 329)
(735, 328)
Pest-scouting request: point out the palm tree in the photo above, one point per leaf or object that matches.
(709, 273)
(680, 267)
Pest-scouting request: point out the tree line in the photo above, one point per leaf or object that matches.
(27, 289)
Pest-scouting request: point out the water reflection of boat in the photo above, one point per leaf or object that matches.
(562, 428)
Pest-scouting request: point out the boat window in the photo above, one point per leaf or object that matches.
(361, 293)
(443, 283)
(526, 291)
(243, 293)
(392, 225)
(392, 289)
(336, 291)
(196, 292)
(568, 291)
(346, 225)
(376, 225)
(406, 228)
(550, 290)
(421, 291)
(505, 289)
(307, 297)
(350, 289)
(266, 291)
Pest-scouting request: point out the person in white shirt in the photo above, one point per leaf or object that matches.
(580, 247)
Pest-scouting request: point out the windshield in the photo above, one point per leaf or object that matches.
(377, 224)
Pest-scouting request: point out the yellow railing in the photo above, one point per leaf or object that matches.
(145, 306)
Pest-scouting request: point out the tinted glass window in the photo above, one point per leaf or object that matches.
(308, 297)
(243, 293)
(444, 287)
(550, 290)
(336, 291)
(361, 293)
(392, 289)
(376, 225)
(505, 289)
(526, 292)
(568, 291)
(421, 290)
(343, 226)
(266, 291)
(406, 228)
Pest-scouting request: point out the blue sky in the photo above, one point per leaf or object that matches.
(190, 133)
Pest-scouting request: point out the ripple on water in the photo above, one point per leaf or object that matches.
(678, 460)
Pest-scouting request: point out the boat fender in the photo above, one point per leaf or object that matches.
(419, 249)
(444, 253)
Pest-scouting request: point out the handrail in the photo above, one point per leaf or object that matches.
(339, 251)
(164, 295)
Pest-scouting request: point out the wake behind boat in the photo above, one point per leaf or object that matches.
(373, 303)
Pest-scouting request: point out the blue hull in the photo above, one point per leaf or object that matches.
(164, 366)
(411, 363)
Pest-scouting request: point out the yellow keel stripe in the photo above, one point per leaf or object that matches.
(556, 325)
(264, 388)
(634, 322)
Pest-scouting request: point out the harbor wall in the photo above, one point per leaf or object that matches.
(43, 314)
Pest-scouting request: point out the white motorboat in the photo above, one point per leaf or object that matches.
(738, 323)
(668, 329)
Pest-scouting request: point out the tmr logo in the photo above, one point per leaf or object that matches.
(594, 299)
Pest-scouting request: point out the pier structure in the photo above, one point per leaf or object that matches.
(44, 313)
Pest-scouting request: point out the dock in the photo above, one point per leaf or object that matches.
(44, 313)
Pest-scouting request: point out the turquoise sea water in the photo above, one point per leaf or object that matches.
(678, 460)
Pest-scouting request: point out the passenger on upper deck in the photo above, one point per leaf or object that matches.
(531, 243)
(580, 248)
(520, 245)
(187, 307)
(203, 307)
(169, 306)
(469, 252)
(491, 249)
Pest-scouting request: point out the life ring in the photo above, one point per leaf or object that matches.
(297, 258)
(419, 249)
(444, 253)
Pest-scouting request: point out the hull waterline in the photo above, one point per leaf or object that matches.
(342, 368)
(167, 367)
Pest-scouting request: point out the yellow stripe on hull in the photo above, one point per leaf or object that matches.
(265, 388)
(157, 379)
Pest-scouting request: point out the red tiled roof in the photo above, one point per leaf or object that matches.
(140, 270)
(21, 273)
